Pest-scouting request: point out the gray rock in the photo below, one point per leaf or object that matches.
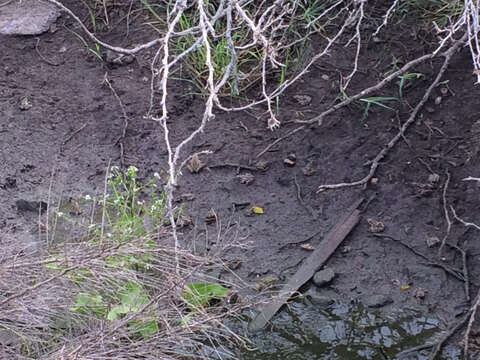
(30, 206)
(318, 299)
(377, 301)
(27, 17)
(323, 277)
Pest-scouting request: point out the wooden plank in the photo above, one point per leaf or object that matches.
(327, 247)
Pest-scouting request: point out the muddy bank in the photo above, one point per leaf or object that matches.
(59, 145)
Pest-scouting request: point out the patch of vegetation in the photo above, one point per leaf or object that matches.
(247, 55)
(120, 287)
(438, 11)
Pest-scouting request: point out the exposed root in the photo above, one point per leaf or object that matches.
(376, 161)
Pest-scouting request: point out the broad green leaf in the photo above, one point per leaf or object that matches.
(118, 310)
(143, 328)
(378, 100)
(132, 297)
(200, 293)
(89, 302)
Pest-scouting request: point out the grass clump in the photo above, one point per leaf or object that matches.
(289, 37)
(120, 292)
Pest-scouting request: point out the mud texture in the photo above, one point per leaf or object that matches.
(60, 126)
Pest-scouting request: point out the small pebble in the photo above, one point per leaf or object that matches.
(323, 277)
(290, 160)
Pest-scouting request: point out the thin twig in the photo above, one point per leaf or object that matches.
(376, 161)
(104, 202)
(95, 39)
(237, 166)
(47, 217)
(319, 118)
(454, 272)
(125, 120)
(466, 336)
(291, 243)
(6, 3)
(301, 201)
(44, 58)
(447, 216)
(438, 348)
(466, 223)
(70, 137)
(280, 139)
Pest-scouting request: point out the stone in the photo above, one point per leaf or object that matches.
(323, 277)
(27, 17)
(30, 206)
(317, 299)
(377, 301)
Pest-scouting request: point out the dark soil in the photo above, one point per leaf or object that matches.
(73, 130)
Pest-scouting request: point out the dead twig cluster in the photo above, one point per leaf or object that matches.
(40, 308)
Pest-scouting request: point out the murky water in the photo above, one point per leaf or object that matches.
(345, 332)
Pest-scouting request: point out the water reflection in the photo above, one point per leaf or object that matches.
(344, 332)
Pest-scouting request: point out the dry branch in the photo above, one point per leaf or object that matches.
(376, 161)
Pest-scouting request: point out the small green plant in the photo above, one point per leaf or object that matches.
(130, 298)
(95, 51)
(311, 10)
(90, 303)
(438, 11)
(248, 53)
(403, 79)
(198, 294)
(375, 100)
(125, 212)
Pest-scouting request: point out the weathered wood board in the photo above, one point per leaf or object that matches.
(326, 248)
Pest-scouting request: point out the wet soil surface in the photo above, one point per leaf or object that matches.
(60, 127)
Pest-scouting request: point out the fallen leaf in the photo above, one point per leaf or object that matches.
(261, 165)
(246, 178)
(303, 99)
(257, 210)
(420, 293)
(404, 287)
(307, 246)
(432, 241)
(309, 169)
(194, 165)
